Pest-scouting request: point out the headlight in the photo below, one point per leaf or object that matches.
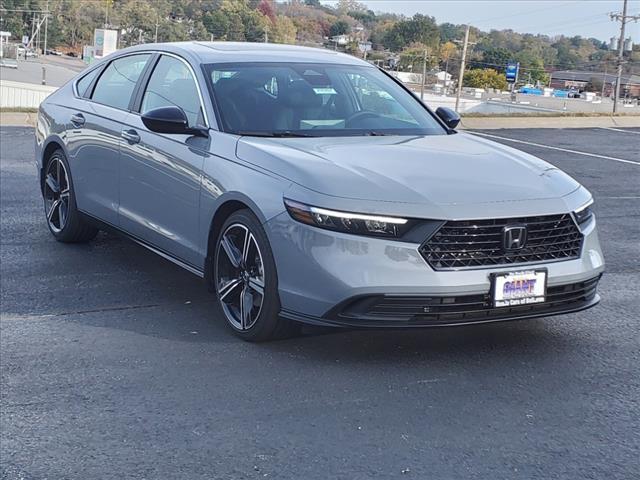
(584, 213)
(347, 222)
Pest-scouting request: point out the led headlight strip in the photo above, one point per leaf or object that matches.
(347, 222)
(584, 213)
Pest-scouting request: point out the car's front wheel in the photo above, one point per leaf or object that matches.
(63, 219)
(246, 280)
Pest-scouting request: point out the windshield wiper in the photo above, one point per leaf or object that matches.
(282, 134)
(373, 133)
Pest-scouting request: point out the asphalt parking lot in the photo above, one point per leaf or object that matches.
(114, 367)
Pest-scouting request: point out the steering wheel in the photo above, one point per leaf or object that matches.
(356, 117)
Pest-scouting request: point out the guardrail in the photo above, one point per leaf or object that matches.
(23, 95)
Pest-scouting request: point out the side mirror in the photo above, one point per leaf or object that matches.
(450, 118)
(170, 120)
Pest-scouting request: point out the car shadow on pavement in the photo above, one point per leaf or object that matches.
(113, 283)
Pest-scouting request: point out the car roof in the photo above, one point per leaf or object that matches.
(240, 52)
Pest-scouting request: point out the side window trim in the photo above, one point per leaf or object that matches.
(136, 107)
(214, 102)
(90, 90)
(143, 81)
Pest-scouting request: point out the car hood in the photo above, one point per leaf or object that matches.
(454, 169)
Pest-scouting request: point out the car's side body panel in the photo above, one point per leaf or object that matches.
(160, 189)
(225, 178)
(93, 154)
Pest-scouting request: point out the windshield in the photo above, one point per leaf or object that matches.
(306, 99)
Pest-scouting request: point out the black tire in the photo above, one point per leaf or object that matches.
(63, 218)
(255, 267)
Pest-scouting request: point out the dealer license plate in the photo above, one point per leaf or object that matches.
(519, 288)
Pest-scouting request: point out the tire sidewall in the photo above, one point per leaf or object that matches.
(72, 214)
(267, 320)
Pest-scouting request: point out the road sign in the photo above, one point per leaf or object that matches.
(512, 72)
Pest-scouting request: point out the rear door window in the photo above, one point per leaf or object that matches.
(117, 82)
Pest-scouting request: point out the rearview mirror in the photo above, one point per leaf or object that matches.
(450, 118)
(170, 120)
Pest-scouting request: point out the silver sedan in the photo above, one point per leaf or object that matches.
(309, 186)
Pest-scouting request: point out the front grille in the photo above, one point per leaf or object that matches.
(435, 310)
(479, 243)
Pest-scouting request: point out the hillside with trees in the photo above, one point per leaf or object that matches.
(308, 22)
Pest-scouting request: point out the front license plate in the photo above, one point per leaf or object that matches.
(519, 288)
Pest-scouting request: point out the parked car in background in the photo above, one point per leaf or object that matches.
(309, 186)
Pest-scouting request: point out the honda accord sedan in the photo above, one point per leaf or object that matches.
(306, 185)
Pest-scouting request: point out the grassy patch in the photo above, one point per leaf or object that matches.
(18, 110)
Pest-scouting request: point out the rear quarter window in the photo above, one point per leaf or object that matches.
(83, 84)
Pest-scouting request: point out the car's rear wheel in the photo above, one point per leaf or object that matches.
(63, 219)
(246, 280)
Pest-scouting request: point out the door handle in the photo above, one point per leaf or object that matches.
(130, 136)
(77, 119)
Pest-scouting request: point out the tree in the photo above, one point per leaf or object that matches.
(345, 6)
(484, 78)
(496, 58)
(418, 29)
(265, 7)
(340, 27)
(450, 32)
(447, 50)
(284, 30)
(412, 58)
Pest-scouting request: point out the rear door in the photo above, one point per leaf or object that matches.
(160, 174)
(96, 122)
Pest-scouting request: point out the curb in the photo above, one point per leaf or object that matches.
(490, 123)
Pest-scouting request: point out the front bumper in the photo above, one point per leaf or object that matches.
(332, 278)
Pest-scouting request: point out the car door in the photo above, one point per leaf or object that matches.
(93, 139)
(160, 173)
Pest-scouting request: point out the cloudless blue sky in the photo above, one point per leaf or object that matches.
(588, 18)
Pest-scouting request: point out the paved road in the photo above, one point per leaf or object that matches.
(113, 366)
(59, 70)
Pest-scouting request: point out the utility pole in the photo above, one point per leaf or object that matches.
(623, 18)
(46, 28)
(464, 59)
(424, 75)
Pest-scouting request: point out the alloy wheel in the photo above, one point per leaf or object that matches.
(57, 195)
(240, 279)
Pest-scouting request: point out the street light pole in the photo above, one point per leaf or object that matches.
(464, 59)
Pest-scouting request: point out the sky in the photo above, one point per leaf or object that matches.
(588, 18)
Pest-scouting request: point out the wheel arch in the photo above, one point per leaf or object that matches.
(227, 204)
(50, 145)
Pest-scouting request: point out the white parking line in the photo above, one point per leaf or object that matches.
(620, 130)
(622, 198)
(587, 154)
